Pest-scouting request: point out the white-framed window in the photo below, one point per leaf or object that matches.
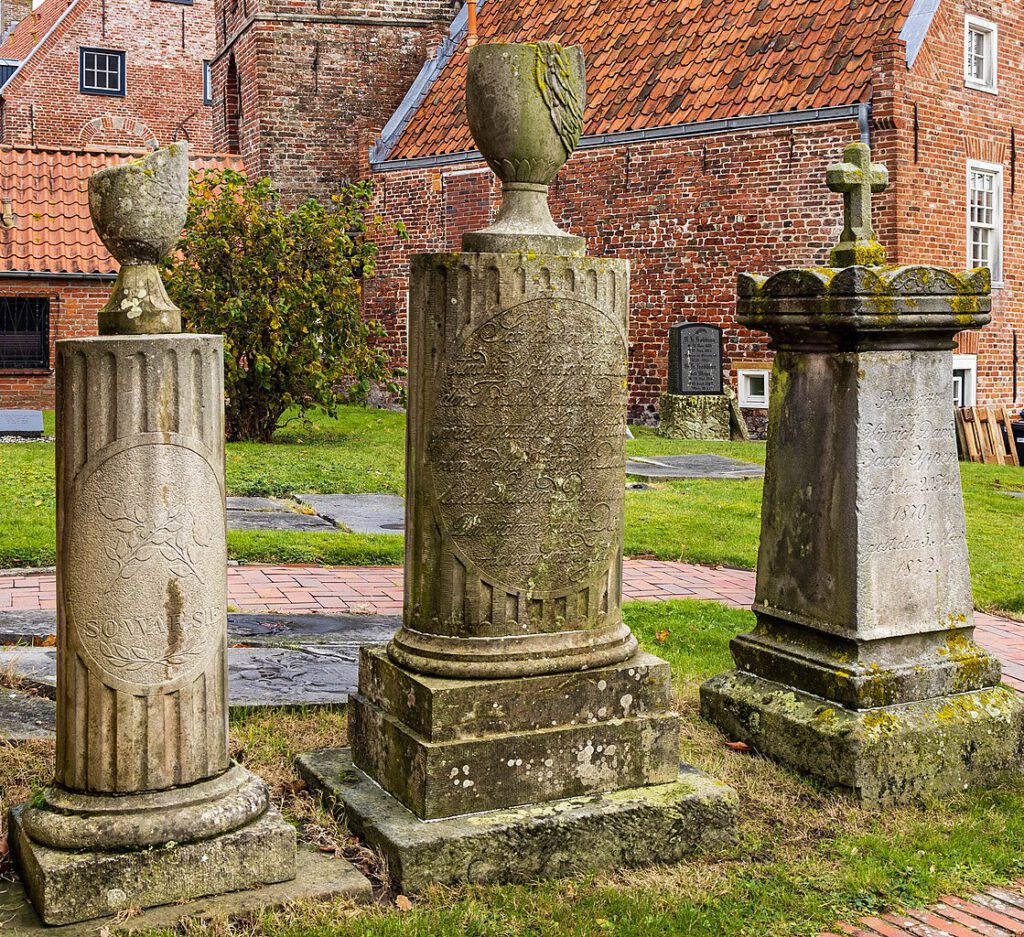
(985, 218)
(965, 380)
(207, 83)
(754, 385)
(101, 71)
(981, 52)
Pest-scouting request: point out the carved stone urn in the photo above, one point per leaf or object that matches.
(138, 210)
(525, 104)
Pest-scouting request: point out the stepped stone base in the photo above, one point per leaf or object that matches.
(66, 887)
(886, 755)
(624, 829)
(446, 747)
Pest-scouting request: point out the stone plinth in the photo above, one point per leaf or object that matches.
(142, 761)
(695, 416)
(863, 668)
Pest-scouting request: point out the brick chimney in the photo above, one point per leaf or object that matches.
(12, 12)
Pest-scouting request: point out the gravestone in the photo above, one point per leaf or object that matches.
(695, 406)
(27, 424)
(863, 670)
(146, 808)
(514, 691)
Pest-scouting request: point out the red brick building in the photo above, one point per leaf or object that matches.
(708, 129)
(83, 83)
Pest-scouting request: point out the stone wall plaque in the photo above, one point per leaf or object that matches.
(694, 359)
(27, 423)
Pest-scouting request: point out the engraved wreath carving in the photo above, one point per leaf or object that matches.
(171, 533)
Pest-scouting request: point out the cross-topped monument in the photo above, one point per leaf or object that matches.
(857, 177)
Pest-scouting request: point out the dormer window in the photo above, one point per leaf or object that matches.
(981, 39)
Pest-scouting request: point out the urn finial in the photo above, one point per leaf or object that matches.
(138, 209)
(525, 105)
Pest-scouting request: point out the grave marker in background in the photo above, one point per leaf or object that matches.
(25, 423)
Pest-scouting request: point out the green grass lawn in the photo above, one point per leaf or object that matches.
(806, 858)
(701, 521)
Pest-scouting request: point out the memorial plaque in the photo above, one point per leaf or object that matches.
(26, 423)
(694, 359)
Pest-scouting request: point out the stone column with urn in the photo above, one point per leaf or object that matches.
(146, 807)
(863, 670)
(514, 691)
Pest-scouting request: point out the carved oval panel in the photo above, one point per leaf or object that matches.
(143, 575)
(526, 446)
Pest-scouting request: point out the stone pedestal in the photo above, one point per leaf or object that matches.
(695, 416)
(863, 669)
(144, 791)
(514, 682)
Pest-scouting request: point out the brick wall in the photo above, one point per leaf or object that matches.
(688, 214)
(74, 306)
(931, 125)
(303, 87)
(12, 12)
(165, 45)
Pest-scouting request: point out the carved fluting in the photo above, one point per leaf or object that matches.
(517, 446)
(141, 575)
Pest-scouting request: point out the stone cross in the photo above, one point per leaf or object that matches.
(857, 177)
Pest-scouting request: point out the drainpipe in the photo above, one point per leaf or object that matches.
(470, 23)
(864, 122)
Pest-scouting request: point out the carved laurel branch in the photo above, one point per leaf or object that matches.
(171, 533)
(559, 92)
(133, 659)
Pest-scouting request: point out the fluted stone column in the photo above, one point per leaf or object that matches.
(146, 807)
(863, 670)
(514, 682)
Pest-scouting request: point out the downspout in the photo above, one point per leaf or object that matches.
(864, 122)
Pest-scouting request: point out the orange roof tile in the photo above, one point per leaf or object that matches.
(27, 34)
(49, 197)
(669, 62)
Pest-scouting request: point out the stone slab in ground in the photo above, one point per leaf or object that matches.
(630, 828)
(21, 423)
(360, 513)
(24, 716)
(310, 674)
(278, 520)
(258, 628)
(318, 877)
(660, 468)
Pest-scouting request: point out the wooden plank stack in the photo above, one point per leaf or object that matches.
(985, 434)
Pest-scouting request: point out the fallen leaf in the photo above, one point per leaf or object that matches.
(403, 903)
(330, 849)
(738, 746)
(298, 785)
(660, 636)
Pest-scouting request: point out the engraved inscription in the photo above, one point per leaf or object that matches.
(143, 521)
(695, 358)
(527, 445)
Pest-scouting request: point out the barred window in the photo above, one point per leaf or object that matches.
(24, 332)
(984, 218)
(101, 72)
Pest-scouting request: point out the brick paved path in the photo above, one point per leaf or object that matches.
(378, 589)
(998, 912)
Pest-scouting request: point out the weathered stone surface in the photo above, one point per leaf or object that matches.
(24, 717)
(665, 467)
(863, 668)
(706, 416)
(142, 555)
(516, 471)
(279, 520)
(360, 513)
(138, 208)
(484, 745)
(525, 106)
(895, 754)
(623, 829)
(318, 877)
(66, 887)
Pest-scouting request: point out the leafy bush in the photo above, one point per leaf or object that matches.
(283, 287)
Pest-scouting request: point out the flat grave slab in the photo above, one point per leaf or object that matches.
(360, 513)
(246, 513)
(666, 467)
(274, 660)
(25, 424)
(24, 717)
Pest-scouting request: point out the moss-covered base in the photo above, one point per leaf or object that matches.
(887, 755)
(66, 887)
(625, 829)
(694, 417)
